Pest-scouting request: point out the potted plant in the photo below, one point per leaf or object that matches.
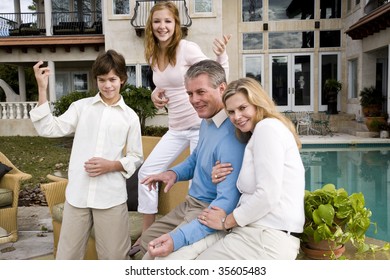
(332, 218)
(374, 124)
(371, 100)
(384, 130)
(331, 89)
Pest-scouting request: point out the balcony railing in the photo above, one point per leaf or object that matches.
(63, 23)
(142, 10)
(16, 110)
(12, 24)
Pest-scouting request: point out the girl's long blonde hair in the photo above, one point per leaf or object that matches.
(265, 106)
(152, 49)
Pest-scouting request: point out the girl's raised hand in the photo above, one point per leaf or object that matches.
(220, 45)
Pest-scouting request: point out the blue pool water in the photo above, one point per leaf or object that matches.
(356, 168)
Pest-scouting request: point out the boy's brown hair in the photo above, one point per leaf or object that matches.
(110, 60)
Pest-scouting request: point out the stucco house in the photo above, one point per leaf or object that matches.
(291, 47)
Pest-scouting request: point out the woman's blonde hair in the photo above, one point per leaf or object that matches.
(151, 42)
(265, 106)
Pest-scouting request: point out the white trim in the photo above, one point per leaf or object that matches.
(112, 16)
(261, 67)
(290, 106)
(195, 14)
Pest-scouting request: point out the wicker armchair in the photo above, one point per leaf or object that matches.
(5, 237)
(55, 197)
(11, 181)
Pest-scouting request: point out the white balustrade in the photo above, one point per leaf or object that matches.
(16, 110)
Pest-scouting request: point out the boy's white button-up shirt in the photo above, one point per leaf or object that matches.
(100, 130)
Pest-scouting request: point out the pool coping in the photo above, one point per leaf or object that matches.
(339, 138)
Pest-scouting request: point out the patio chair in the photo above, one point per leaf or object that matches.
(322, 123)
(306, 121)
(5, 236)
(69, 28)
(292, 116)
(9, 197)
(95, 28)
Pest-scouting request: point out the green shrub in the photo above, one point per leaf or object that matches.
(155, 130)
(61, 105)
(136, 98)
(139, 100)
(371, 96)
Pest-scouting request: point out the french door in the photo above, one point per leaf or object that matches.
(292, 81)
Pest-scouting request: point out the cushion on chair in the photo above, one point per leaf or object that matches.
(4, 169)
(57, 212)
(6, 197)
(132, 191)
(3, 232)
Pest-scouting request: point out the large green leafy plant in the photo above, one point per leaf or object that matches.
(333, 215)
(371, 96)
(137, 98)
(332, 85)
(62, 104)
(371, 100)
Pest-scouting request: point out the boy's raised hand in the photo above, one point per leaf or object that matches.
(42, 77)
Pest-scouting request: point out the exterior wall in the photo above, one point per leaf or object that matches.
(230, 10)
(17, 128)
(226, 19)
(32, 56)
(366, 51)
(376, 40)
(353, 51)
(232, 24)
(120, 34)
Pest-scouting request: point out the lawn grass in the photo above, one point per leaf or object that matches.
(37, 156)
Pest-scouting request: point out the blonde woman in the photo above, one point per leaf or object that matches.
(269, 216)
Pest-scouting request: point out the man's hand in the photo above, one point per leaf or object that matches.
(161, 246)
(167, 177)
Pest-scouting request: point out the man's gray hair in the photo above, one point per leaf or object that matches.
(211, 68)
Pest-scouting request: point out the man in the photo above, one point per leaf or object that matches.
(205, 83)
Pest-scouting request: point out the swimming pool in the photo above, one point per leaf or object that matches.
(356, 168)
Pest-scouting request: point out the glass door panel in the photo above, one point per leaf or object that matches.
(329, 70)
(291, 80)
(301, 93)
(279, 80)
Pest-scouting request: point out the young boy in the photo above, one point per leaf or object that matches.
(106, 150)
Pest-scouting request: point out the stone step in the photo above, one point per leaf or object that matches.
(366, 134)
(358, 129)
